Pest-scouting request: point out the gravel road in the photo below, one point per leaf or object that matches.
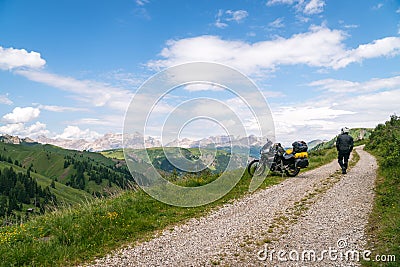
(319, 210)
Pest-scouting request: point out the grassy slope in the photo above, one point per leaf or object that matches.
(384, 223)
(156, 155)
(154, 152)
(74, 235)
(48, 160)
(64, 194)
(114, 154)
(355, 133)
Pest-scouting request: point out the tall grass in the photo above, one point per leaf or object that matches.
(320, 157)
(81, 233)
(384, 222)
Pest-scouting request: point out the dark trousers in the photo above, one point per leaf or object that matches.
(343, 158)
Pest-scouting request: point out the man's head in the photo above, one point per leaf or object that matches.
(345, 130)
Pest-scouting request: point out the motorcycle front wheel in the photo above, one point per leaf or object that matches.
(255, 168)
(292, 172)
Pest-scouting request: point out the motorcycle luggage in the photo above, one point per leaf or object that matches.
(300, 146)
(301, 155)
(288, 156)
(301, 163)
(289, 151)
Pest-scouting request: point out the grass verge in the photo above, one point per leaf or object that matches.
(81, 233)
(383, 229)
(384, 222)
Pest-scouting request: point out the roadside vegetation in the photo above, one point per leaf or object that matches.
(80, 233)
(384, 222)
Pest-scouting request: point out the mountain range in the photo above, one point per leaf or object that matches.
(111, 141)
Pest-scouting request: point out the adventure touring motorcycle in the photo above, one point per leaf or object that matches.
(274, 157)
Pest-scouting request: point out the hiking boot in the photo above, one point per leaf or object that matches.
(343, 170)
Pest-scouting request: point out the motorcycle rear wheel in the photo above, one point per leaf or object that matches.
(292, 172)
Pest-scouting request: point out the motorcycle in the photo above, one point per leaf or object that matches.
(277, 159)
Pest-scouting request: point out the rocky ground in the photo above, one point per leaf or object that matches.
(320, 211)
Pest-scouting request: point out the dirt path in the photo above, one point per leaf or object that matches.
(317, 210)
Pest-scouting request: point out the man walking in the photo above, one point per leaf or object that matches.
(344, 145)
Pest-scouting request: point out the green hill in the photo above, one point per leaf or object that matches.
(63, 166)
(359, 134)
(64, 176)
(64, 194)
(216, 160)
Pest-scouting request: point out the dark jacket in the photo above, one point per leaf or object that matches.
(344, 142)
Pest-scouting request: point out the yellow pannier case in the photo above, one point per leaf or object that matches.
(301, 155)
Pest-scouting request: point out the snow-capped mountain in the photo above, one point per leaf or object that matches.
(9, 139)
(114, 141)
(219, 141)
(106, 142)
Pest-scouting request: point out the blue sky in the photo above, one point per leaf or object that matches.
(70, 68)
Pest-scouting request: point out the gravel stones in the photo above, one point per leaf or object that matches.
(315, 210)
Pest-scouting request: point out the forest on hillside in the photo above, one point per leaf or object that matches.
(17, 189)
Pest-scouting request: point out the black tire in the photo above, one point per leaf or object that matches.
(251, 168)
(292, 172)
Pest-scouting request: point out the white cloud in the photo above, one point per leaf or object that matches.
(95, 93)
(5, 100)
(220, 24)
(310, 7)
(377, 6)
(22, 115)
(385, 102)
(74, 132)
(351, 26)
(59, 108)
(229, 15)
(253, 58)
(278, 23)
(314, 7)
(11, 58)
(348, 26)
(275, 2)
(272, 94)
(110, 120)
(238, 15)
(345, 103)
(36, 129)
(12, 128)
(142, 2)
(389, 46)
(20, 129)
(202, 87)
(124, 79)
(304, 121)
(344, 86)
